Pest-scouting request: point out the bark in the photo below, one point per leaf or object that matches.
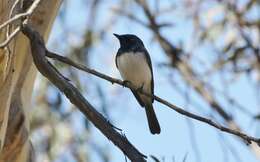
(17, 75)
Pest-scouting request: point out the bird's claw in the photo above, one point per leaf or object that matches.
(125, 83)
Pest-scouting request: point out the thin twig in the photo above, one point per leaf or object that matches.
(15, 18)
(27, 14)
(10, 37)
(244, 136)
(10, 16)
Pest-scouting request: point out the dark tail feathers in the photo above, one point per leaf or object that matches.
(152, 119)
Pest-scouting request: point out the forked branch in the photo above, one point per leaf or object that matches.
(39, 52)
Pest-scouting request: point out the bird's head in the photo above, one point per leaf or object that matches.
(129, 41)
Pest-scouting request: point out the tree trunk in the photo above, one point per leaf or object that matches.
(17, 75)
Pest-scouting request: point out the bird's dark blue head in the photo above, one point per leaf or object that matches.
(129, 42)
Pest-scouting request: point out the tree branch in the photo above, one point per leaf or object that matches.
(188, 74)
(39, 52)
(65, 60)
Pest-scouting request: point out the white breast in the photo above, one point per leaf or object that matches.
(134, 68)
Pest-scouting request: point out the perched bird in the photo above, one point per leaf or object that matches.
(135, 66)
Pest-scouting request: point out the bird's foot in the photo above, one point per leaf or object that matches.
(126, 82)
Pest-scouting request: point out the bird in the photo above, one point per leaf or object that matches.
(134, 64)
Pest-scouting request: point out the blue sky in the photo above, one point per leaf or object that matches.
(174, 140)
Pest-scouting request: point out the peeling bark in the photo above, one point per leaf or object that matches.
(17, 75)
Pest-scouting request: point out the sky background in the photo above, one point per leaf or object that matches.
(177, 132)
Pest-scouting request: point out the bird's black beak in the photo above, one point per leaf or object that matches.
(117, 35)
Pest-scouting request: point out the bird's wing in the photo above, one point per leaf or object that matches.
(148, 59)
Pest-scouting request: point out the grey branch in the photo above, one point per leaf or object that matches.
(65, 60)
